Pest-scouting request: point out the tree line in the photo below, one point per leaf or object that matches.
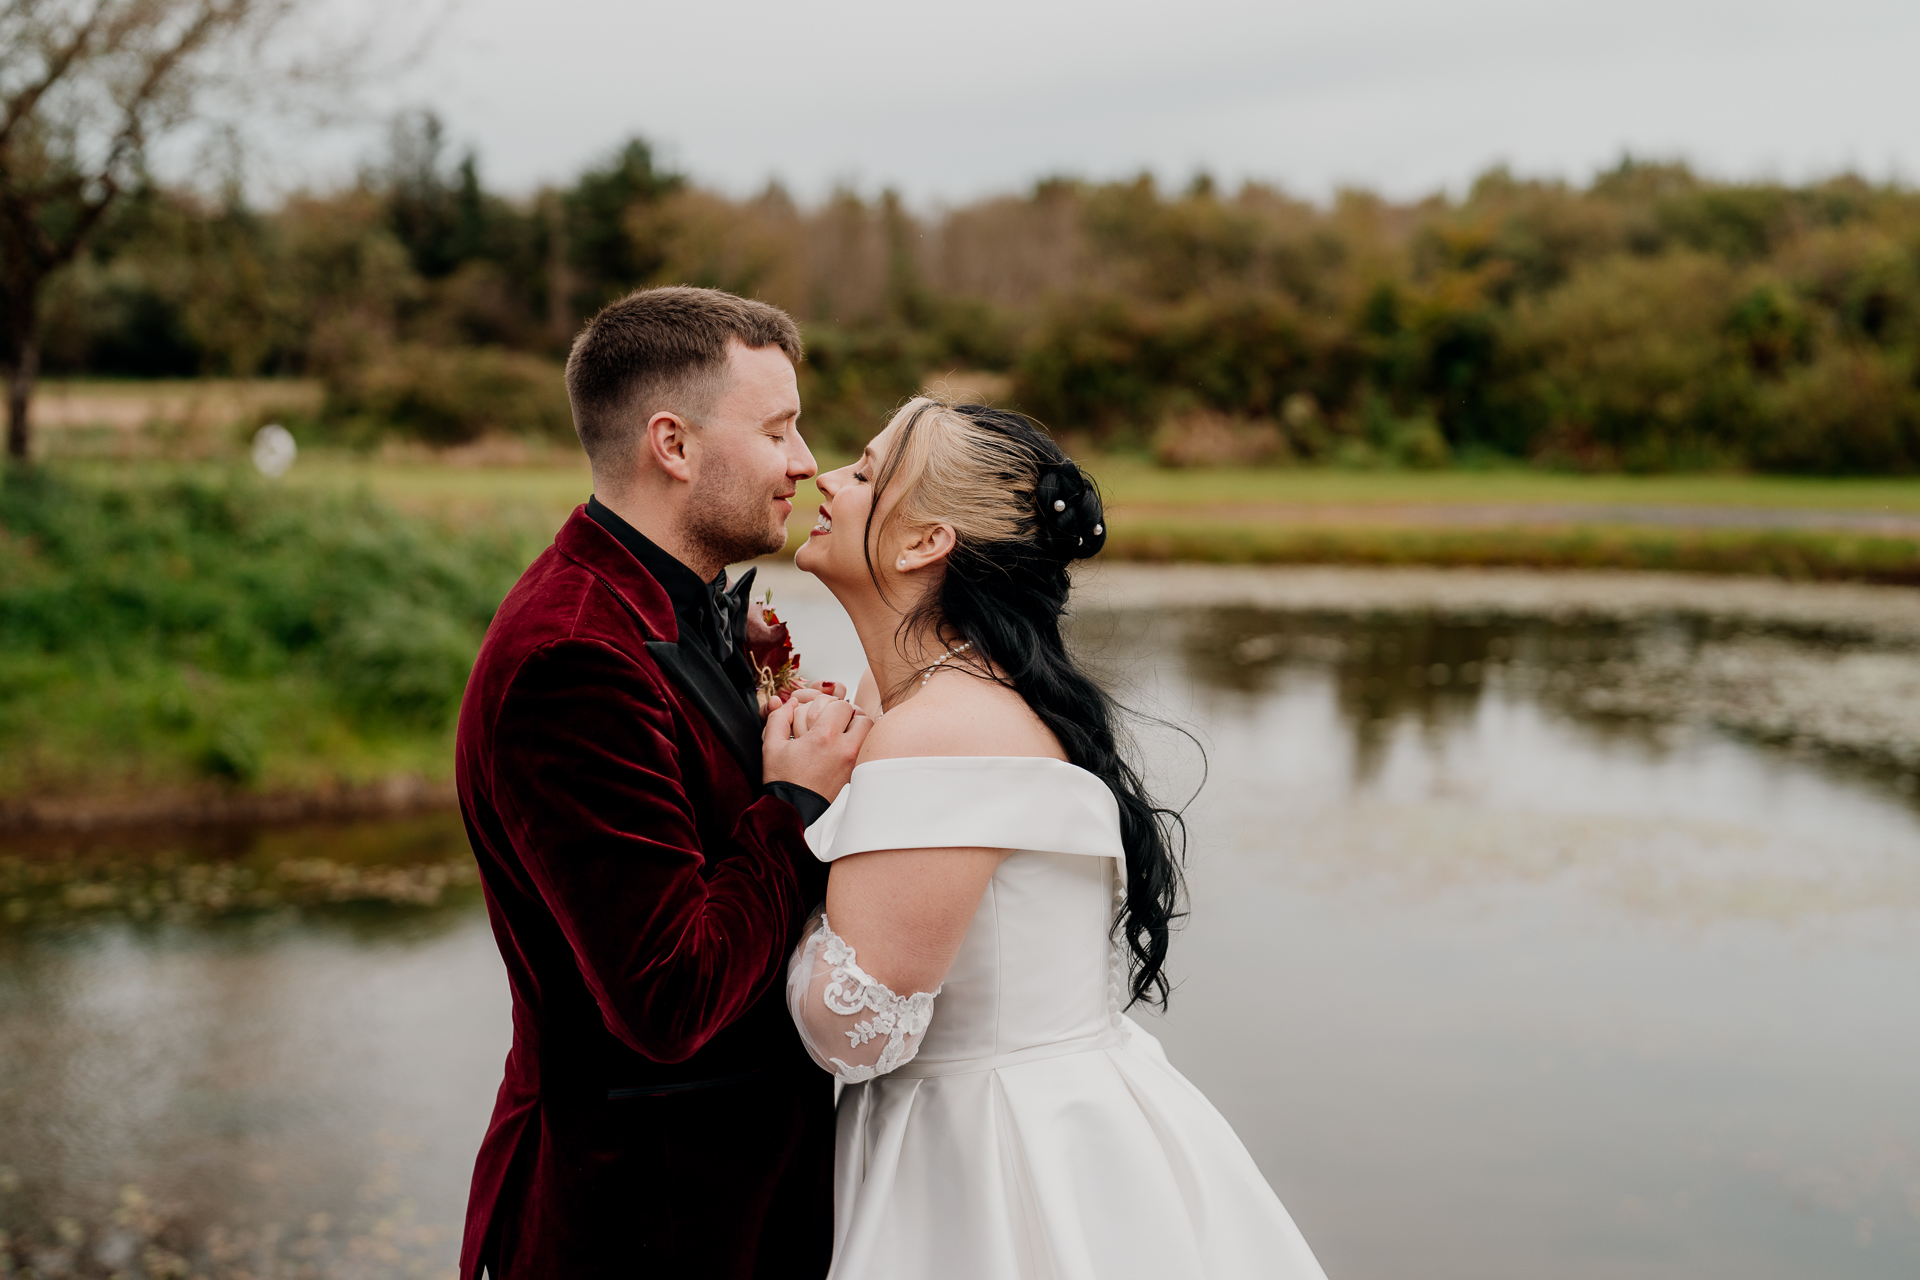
(1651, 319)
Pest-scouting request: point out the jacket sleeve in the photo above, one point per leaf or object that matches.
(675, 941)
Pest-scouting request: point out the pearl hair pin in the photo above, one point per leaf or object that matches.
(927, 675)
(1059, 504)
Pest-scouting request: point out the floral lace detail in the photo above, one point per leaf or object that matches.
(826, 965)
(851, 990)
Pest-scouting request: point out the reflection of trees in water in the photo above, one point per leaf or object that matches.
(1390, 669)
(140, 1236)
(369, 878)
(190, 1011)
(206, 1048)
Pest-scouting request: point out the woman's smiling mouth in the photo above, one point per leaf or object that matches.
(822, 524)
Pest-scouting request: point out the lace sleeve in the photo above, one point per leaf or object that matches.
(852, 1025)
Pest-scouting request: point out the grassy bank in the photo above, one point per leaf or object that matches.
(1792, 527)
(1794, 554)
(197, 632)
(181, 638)
(1136, 482)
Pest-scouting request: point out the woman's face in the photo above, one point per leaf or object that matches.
(832, 552)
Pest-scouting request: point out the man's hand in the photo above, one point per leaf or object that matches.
(812, 742)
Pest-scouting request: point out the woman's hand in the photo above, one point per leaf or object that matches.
(812, 741)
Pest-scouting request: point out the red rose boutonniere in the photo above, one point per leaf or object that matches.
(770, 650)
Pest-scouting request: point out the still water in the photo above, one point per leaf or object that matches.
(1492, 985)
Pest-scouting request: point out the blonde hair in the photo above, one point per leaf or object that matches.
(1021, 511)
(992, 476)
(956, 473)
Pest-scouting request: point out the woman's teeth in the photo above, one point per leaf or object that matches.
(824, 523)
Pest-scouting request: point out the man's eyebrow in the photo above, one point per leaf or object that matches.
(779, 415)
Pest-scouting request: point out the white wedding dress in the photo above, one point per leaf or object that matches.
(1015, 1124)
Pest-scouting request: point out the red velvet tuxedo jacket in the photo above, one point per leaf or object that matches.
(658, 1116)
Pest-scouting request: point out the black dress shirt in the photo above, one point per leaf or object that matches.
(697, 609)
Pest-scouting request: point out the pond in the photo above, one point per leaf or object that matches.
(1515, 951)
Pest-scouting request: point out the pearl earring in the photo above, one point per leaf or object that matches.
(901, 563)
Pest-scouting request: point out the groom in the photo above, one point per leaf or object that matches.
(645, 869)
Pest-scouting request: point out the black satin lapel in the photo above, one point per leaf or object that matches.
(738, 602)
(695, 673)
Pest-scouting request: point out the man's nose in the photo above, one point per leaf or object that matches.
(800, 465)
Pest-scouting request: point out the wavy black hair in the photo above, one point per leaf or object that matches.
(1004, 593)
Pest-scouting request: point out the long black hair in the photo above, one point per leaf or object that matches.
(1004, 593)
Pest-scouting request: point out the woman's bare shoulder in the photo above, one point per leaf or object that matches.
(961, 716)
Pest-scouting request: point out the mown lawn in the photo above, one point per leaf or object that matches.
(558, 481)
(1307, 516)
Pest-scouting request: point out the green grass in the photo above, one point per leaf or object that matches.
(185, 628)
(1795, 554)
(540, 492)
(1128, 481)
(1215, 516)
(1201, 515)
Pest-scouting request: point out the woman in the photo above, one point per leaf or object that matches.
(1002, 1117)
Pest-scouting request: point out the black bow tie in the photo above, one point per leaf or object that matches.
(730, 613)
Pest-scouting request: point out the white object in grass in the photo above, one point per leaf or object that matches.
(274, 450)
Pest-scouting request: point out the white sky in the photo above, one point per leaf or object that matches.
(952, 101)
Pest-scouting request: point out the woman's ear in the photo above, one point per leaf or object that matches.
(929, 546)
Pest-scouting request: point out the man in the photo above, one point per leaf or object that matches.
(645, 869)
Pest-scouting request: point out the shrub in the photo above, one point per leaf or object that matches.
(1111, 366)
(1092, 367)
(1204, 438)
(1856, 409)
(853, 379)
(450, 395)
(1633, 355)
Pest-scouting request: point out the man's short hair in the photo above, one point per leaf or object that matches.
(660, 349)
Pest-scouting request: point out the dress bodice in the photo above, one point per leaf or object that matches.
(1015, 1124)
(1035, 973)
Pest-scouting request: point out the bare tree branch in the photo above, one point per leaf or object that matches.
(21, 104)
(85, 87)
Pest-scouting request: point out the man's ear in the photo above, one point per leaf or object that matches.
(667, 442)
(930, 545)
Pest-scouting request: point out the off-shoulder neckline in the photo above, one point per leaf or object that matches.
(938, 761)
(1010, 802)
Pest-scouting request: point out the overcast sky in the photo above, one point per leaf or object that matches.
(952, 101)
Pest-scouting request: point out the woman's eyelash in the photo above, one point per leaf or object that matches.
(857, 476)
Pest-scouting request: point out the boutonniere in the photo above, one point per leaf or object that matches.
(775, 664)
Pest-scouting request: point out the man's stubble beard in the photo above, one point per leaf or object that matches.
(728, 517)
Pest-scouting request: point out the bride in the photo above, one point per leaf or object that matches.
(1000, 893)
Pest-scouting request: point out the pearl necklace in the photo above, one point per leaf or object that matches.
(927, 675)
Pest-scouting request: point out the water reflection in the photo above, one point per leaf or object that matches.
(348, 873)
(1434, 670)
(1510, 957)
(1499, 981)
(253, 1028)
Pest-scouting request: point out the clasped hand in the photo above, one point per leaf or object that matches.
(812, 740)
